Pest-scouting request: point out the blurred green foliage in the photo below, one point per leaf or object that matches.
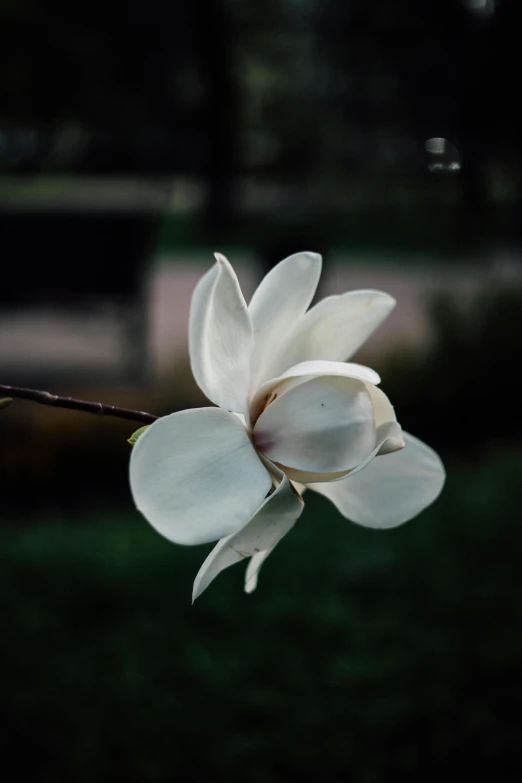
(363, 656)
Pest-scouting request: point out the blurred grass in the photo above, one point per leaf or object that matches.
(364, 655)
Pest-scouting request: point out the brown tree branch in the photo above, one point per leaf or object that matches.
(98, 408)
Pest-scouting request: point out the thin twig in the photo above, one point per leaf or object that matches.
(98, 408)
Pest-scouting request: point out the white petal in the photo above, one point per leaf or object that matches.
(391, 489)
(299, 487)
(388, 432)
(324, 367)
(254, 567)
(334, 329)
(221, 337)
(196, 477)
(308, 477)
(388, 438)
(323, 425)
(306, 371)
(282, 297)
(257, 560)
(267, 527)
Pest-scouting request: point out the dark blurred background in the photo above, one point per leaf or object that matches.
(136, 139)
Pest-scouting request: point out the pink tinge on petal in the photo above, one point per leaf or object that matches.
(264, 440)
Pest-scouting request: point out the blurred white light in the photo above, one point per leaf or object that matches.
(442, 155)
(480, 7)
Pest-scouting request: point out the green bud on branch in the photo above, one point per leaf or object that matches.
(135, 435)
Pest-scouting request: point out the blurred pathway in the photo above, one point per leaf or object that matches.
(412, 285)
(47, 341)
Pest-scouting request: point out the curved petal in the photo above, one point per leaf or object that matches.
(306, 371)
(324, 367)
(254, 567)
(301, 488)
(388, 431)
(267, 527)
(282, 297)
(196, 477)
(221, 337)
(323, 425)
(308, 477)
(334, 329)
(391, 489)
(389, 438)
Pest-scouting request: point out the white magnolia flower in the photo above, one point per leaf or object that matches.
(291, 413)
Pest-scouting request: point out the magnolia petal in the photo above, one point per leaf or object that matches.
(196, 477)
(299, 487)
(391, 489)
(253, 568)
(307, 477)
(267, 527)
(323, 425)
(257, 560)
(389, 438)
(306, 371)
(282, 297)
(333, 329)
(324, 367)
(388, 431)
(221, 337)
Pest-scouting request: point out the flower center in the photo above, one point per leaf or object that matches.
(264, 440)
